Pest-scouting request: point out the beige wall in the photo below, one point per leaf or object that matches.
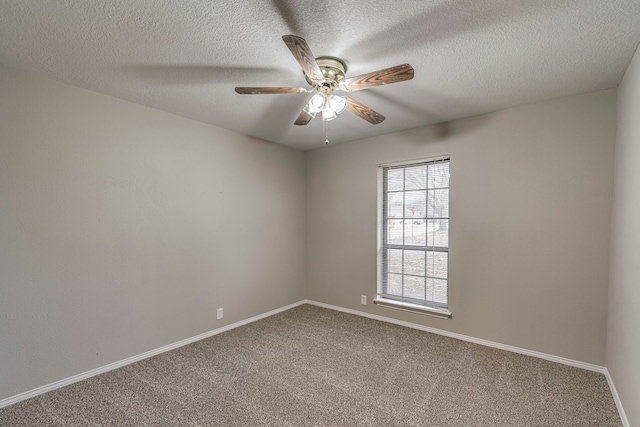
(530, 218)
(623, 335)
(123, 228)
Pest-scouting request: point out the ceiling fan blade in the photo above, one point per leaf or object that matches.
(364, 112)
(303, 119)
(396, 74)
(300, 50)
(269, 90)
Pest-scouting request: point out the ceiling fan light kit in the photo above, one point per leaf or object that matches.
(329, 105)
(327, 74)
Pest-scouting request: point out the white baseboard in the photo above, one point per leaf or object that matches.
(616, 398)
(64, 382)
(550, 357)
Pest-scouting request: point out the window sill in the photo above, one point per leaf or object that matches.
(413, 308)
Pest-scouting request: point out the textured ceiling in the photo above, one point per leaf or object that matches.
(186, 57)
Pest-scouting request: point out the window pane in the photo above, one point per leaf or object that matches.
(416, 216)
(437, 264)
(395, 206)
(394, 231)
(437, 290)
(414, 262)
(414, 234)
(394, 260)
(416, 178)
(394, 284)
(414, 287)
(438, 232)
(415, 204)
(438, 203)
(395, 180)
(438, 175)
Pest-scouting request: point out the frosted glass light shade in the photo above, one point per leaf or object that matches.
(316, 103)
(328, 113)
(337, 103)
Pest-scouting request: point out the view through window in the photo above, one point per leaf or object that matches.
(415, 233)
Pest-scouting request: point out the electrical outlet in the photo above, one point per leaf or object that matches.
(219, 314)
(363, 299)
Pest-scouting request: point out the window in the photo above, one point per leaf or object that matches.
(414, 230)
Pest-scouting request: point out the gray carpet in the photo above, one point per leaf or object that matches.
(311, 366)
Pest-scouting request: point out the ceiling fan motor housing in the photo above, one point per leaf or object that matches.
(333, 69)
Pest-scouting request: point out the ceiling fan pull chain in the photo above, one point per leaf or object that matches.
(325, 124)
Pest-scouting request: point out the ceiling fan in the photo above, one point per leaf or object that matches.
(326, 74)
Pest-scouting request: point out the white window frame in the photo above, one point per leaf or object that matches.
(382, 299)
